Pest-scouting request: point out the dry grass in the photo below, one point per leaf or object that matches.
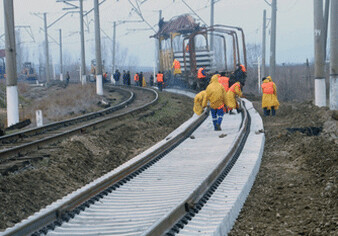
(61, 104)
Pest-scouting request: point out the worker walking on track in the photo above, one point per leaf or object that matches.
(160, 80)
(215, 94)
(198, 102)
(234, 91)
(269, 97)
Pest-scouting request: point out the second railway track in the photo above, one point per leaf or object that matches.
(14, 147)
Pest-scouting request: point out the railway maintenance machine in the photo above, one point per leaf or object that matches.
(183, 39)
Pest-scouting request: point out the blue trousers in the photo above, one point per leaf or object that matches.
(217, 116)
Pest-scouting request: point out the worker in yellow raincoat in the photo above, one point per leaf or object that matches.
(269, 98)
(198, 102)
(233, 92)
(215, 94)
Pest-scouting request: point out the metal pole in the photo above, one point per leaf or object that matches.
(11, 80)
(114, 45)
(99, 87)
(159, 47)
(326, 20)
(273, 39)
(320, 87)
(83, 76)
(46, 46)
(263, 44)
(259, 75)
(61, 65)
(334, 56)
(211, 24)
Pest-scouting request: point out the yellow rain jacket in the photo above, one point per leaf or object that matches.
(269, 97)
(234, 90)
(198, 101)
(215, 93)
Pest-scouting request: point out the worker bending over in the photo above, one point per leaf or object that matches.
(198, 102)
(269, 98)
(234, 91)
(215, 94)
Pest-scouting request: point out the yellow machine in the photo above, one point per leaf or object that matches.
(28, 72)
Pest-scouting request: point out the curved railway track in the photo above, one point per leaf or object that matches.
(15, 147)
(156, 193)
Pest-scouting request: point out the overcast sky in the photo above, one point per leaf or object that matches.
(294, 25)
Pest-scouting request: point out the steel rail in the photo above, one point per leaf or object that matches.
(37, 144)
(164, 224)
(48, 219)
(55, 125)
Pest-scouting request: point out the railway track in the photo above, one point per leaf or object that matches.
(15, 149)
(156, 193)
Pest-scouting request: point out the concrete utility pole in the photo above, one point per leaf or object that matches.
(334, 56)
(326, 20)
(320, 87)
(46, 46)
(11, 80)
(263, 43)
(99, 87)
(114, 45)
(159, 47)
(61, 65)
(83, 58)
(273, 39)
(211, 24)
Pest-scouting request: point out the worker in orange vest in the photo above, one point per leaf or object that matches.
(177, 67)
(136, 79)
(201, 78)
(240, 74)
(224, 81)
(160, 79)
(269, 97)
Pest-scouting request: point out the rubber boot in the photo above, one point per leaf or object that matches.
(273, 111)
(266, 111)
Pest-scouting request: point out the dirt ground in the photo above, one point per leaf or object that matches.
(79, 160)
(295, 192)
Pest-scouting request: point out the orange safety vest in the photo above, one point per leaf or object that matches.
(224, 81)
(159, 77)
(232, 88)
(199, 73)
(243, 68)
(177, 64)
(187, 48)
(267, 88)
(136, 78)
